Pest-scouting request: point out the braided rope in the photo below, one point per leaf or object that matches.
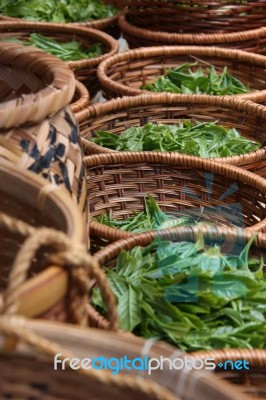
(69, 255)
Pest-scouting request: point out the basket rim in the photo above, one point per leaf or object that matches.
(167, 158)
(52, 98)
(154, 51)
(85, 31)
(112, 250)
(188, 38)
(255, 356)
(168, 99)
(100, 24)
(52, 275)
(83, 98)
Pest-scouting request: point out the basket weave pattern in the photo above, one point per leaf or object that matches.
(253, 40)
(182, 185)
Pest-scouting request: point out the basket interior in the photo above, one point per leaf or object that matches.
(179, 190)
(137, 72)
(16, 82)
(247, 124)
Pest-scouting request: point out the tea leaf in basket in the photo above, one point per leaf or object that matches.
(68, 51)
(152, 218)
(192, 296)
(206, 139)
(129, 309)
(57, 10)
(183, 80)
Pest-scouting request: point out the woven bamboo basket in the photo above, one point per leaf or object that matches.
(120, 114)
(190, 16)
(184, 185)
(252, 382)
(124, 74)
(29, 202)
(253, 40)
(81, 98)
(85, 69)
(45, 269)
(38, 130)
(31, 372)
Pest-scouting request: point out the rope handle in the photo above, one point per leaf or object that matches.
(15, 328)
(66, 254)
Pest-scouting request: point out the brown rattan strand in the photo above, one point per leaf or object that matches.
(196, 16)
(165, 108)
(26, 198)
(124, 74)
(81, 98)
(85, 69)
(252, 382)
(108, 24)
(182, 185)
(33, 85)
(83, 342)
(249, 40)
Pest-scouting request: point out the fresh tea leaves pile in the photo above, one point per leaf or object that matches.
(68, 51)
(183, 80)
(206, 139)
(57, 10)
(191, 296)
(152, 218)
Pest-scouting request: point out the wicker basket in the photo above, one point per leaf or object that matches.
(253, 40)
(38, 130)
(120, 114)
(80, 100)
(184, 185)
(29, 202)
(85, 69)
(34, 372)
(44, 272)
(196, 16)
(124, 74)
(252, 382)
